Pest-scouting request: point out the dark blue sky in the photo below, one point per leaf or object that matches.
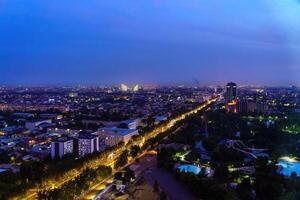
(149, 41)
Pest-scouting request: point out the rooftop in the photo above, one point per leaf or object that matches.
(86, 135)
(119, 131)
(62, 139)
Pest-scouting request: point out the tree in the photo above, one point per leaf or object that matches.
(221, 173)
(163, 196)
(122, 160)
(244, 189)
(293, 175)
(129, 175)
(289, 196)
(149, 121)
(4, 158)
(31, 171)
(134, 151)
(193, 155)
(268, 183)
(165, 158)
(155, 187)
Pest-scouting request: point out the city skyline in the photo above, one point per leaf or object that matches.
(150, 99)
(157, 42)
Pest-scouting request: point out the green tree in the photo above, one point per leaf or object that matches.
(134, 151)
(122, 160)
(163, 196)
(155, 187)
(268, 183)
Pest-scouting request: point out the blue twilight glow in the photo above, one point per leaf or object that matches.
(149, 41)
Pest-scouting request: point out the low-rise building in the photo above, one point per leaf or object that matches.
(113, 136)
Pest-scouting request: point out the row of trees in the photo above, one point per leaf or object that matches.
(77, 186)
(42, 174)
(55, 172)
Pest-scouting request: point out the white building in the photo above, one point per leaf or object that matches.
(114, 136)
(136, 88)
(124, 88)
(87, 144)
(61, 147)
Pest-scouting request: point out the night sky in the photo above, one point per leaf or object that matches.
(149, 41)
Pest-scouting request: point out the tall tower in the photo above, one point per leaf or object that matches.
(136, 88)
(231, 97)
(231, 93)
(124, 88)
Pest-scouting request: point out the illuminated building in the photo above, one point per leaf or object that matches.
(136, 88)
(73, 94)
(124, 88)
(231, 92)
(231, 97)
(114, 136)
(246, 107)
(232, 106)
(87, 144)
(61, 147)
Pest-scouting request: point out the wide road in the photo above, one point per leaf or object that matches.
(72, 174)
(92, 194)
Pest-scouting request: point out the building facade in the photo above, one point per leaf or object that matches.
(61, 147)
(113, 136)
(231, 92)
(87, 144)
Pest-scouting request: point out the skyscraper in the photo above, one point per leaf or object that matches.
(124, 88)
(231, 93)
(136, 88)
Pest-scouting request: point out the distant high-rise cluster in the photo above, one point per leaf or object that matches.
(136, 88)
(244, 103)
(125, 88)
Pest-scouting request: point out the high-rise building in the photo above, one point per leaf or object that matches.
(61, 147)
(87, 144)
(136, 88)
(245, 106)
(232, 106)
(124, 88)
(231, 92)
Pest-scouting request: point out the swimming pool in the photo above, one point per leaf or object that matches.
(2, 170)
(288, 166)
(192, 168)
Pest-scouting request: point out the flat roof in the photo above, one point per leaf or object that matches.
(118, 131)
(86, 136)
(63, 139)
